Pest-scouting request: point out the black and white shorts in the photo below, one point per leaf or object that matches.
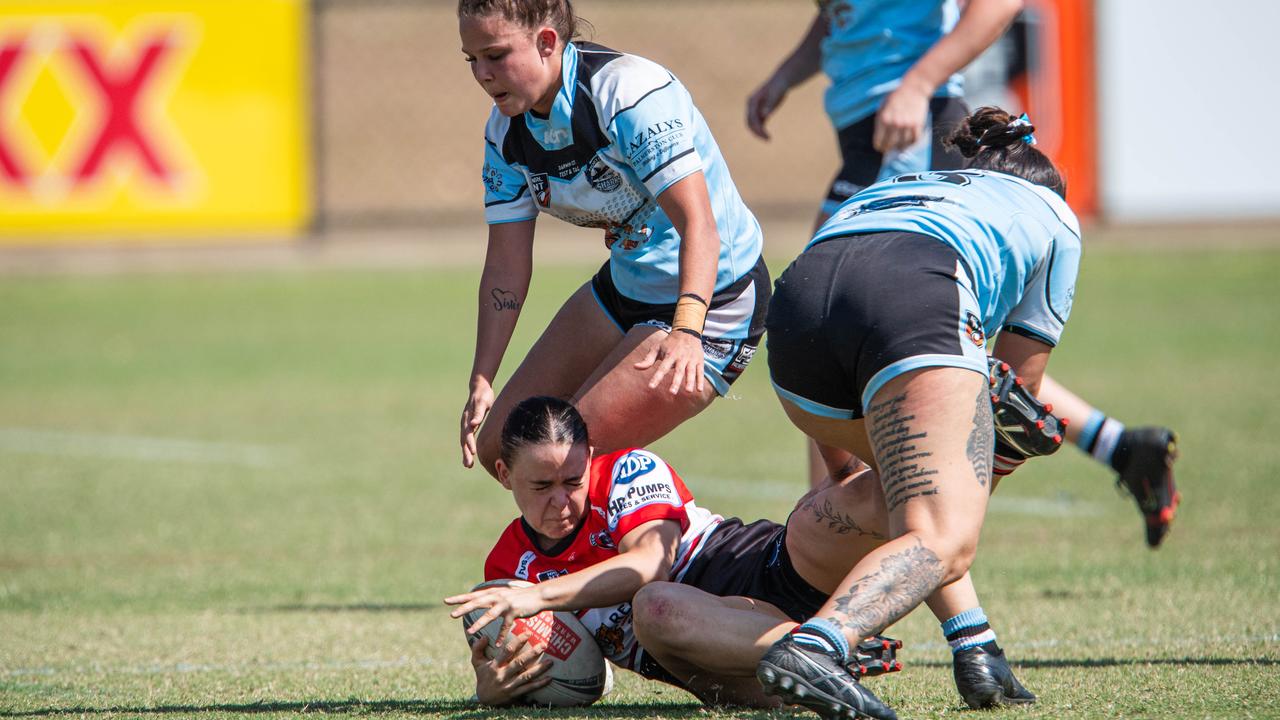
(853, 312)
(748, 561)
(864, 165)
(735, 320)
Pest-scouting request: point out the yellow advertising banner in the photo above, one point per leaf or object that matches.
(153, 118)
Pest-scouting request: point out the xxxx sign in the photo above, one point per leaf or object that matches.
(178, 118)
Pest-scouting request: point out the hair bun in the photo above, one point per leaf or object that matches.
(1014, 131)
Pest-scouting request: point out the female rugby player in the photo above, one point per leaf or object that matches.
(669, 589)
(608, 140)
(877, 346)
(896, 94)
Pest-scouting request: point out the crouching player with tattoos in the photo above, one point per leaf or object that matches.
(669, 589)
(877, 336)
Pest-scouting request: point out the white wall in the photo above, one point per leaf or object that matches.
(1189, 108)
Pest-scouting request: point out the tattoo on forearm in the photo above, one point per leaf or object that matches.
(982, 439)
(838, 521)
(504, 300)
(899, 457)
(877, 600)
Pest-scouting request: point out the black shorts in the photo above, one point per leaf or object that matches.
(748, 561)
(854, 312)
(735, 320)
(864, 165)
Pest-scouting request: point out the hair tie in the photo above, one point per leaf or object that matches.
(1023, 121)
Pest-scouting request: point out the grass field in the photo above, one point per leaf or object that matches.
(239, 494)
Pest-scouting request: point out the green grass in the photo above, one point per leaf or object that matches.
(293, 560)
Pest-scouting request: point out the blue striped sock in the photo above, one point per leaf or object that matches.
(824, 635)
(1089, 430)
(969, 629)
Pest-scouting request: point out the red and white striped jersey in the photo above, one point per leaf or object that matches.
(625, 490)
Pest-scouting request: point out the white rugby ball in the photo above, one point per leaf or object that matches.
(579, 673)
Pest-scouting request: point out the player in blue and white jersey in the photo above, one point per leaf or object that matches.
(895, 96)
(608, 140)
(877, 346)
(896, 90)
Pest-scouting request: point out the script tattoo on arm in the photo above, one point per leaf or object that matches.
(982, 439)
(504, 300)
(842, 523)
(877, 600)
(900, 470)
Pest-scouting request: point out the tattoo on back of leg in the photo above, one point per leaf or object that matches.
(982, 438)
(899, 456)
(877, 600)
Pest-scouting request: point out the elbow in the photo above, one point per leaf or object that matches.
(657, 569)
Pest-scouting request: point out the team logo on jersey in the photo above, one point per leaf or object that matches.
(745, 353)
(541, 188)
(632, 466)
(602, 540)
(716, 349)
(492, 178)
(973, 326)
(549, 574)
(522, 568)
(601, 176)
(611, 640)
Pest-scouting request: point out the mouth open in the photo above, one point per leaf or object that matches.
(499, 97)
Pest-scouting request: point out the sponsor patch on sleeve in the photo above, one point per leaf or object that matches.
(640, 480)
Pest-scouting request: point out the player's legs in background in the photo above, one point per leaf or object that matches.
(711, 644)
(1142, 457)
(579, 337)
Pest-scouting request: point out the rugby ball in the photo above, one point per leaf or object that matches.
(579, 673)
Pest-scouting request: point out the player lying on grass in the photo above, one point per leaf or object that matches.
(670, 590)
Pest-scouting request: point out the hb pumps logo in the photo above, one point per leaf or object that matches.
(81, 101)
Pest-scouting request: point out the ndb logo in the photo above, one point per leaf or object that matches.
(632, 466)
(601, 176)
(541, 188)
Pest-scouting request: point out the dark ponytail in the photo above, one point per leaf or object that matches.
(541, 420)
(992, 139)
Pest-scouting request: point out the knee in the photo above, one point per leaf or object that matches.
(657, 617)
(488, 447)
(955, 552)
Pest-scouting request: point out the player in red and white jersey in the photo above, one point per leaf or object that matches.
(669, 590)
(626, 490)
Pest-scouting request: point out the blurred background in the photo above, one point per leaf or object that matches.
(181, 121)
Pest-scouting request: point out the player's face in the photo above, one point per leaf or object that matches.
(549, 483)
(518, 67)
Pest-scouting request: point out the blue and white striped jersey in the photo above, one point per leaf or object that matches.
(871, 44)
(621, 131)
(1021, 241)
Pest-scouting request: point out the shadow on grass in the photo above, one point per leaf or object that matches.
(1118, 662)
(455, 708)
(341, 608)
